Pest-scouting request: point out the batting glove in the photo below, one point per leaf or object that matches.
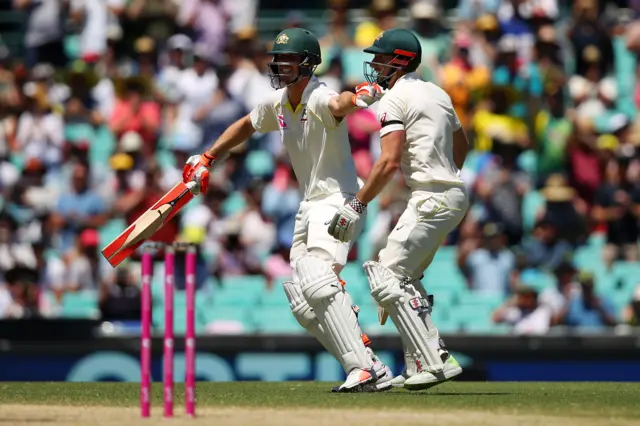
(196, 169)
(366, 94)
(343, 224)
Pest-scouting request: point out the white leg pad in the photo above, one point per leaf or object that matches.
(410, 313)
(324, 293)
(306, 317)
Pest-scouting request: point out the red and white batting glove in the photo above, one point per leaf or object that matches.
(196, 169)
(366, 94)
(343, 224)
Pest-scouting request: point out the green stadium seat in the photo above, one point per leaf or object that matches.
(241, 290)
(259, 163)
(538, 280)
(447, 255)
(354, 276)
(275, 320)
(218, 315)
(440, 275)
(531, 203)
(110, 231)
(234, 203)
(275, 297)
(480, 300)
(628, 273)
(82, 304)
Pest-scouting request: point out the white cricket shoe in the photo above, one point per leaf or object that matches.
(383, 373)
(357, 380)
(398, 381)
(426, 380)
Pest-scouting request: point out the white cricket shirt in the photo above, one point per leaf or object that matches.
(425, 112)
(317, 143)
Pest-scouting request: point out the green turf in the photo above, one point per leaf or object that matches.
(574, 399)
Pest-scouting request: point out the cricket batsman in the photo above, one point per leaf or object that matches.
(310, 119)
(422, 136)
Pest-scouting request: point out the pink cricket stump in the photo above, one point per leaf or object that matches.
(190, 338)
(169, 263)
(145, 347)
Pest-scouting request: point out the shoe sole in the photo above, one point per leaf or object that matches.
(424, 386)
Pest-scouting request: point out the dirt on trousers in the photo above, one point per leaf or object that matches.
(51, 415)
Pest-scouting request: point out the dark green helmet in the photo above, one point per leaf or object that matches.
(293, 41)
(405, 48)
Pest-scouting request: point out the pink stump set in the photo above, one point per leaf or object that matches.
(190, 336)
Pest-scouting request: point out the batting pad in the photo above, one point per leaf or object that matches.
(306, 317)
(324, 293)
(410, 313)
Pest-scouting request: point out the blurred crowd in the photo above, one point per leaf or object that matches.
(97, 118)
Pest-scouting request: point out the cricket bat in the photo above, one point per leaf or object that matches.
(148, 223)
(382, 316)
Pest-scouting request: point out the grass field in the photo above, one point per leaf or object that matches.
(297, 403)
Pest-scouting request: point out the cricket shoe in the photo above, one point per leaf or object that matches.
(398, 381)
(426, 380)
(357, 380)
(383, 373)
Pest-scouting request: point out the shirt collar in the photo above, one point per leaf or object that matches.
(311, 86)
(410, 76)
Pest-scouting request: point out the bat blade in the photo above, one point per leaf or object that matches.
(382, 316)
(148, 224)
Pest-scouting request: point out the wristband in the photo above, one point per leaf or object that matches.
(208, 159)
(357, 205)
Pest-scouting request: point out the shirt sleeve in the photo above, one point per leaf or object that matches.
(320, 107)
(263, 117)
(390, 114)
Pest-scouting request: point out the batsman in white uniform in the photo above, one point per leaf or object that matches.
(309, 117)
(422, 136)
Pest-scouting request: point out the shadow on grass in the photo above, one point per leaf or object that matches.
(431, 393)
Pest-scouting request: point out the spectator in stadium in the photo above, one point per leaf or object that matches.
(95, 20)
(631, 312)
(565, 209)
(179, 50)
(523, 312)
(500, 188)
(84, 272)
(545, 250)
(43, 32)
(617, 204)
(383, 17)
(257, 232)
(434, 40)
(197, 88)
(556, 297)
(208, 21)
(585, 308)
(40, 131)
(491, 267)
(133, 113)
(19, 294)
(79, 207)
(280, 202)
(120, 300)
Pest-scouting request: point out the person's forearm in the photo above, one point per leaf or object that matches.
(382, 172)
(343, 105)
(235, 134)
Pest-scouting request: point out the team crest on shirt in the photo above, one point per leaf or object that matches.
(304, 116)
(282, 39)
(283, 125)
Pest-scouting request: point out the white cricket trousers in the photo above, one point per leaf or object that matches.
(310, 233)
(431, 214)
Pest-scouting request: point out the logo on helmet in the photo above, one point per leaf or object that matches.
(379, 36)
(282, 39)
